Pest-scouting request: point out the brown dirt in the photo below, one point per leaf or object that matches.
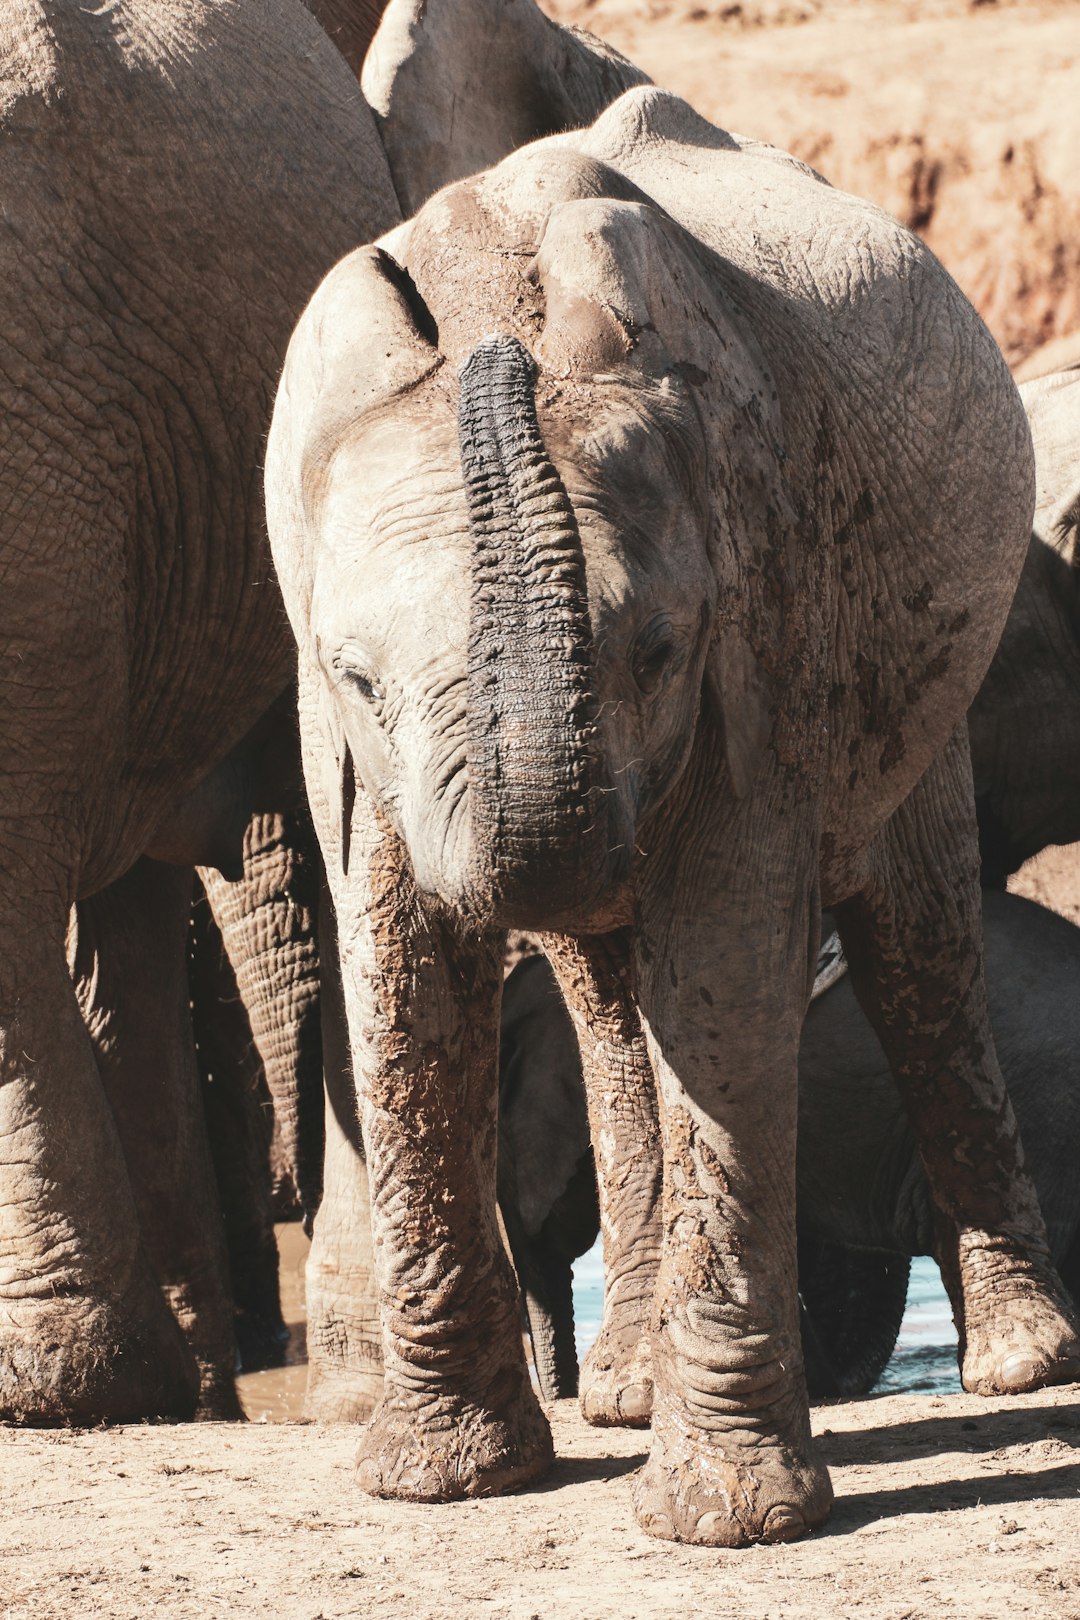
(947, 1507)
(959, 116)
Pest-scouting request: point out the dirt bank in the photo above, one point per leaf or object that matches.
(959, 116)
(947, 1507)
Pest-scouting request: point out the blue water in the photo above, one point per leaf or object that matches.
(925, 1354)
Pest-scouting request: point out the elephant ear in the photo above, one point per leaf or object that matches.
(365, 338)
(629, 292)
(456, 85)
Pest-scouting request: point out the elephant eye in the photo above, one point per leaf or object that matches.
(653, 654)
(353, 667)
(365, 685)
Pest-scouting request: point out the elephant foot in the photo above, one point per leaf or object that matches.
(1020, 1332)
(423, 1451)
(616, 1387)
(710, 1489)
(82, 1362)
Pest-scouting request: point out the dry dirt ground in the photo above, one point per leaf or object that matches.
(947, 1507)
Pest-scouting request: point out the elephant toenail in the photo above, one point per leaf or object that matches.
(1019, 1372)
(659, 1525)
(635, 1404)
(783, 1524)
(718, 1530)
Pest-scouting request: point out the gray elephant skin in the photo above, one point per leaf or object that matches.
(585, 494)
(176, 178)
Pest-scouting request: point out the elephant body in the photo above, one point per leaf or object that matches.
(176, 176)
(1025, 722)
(631, 513)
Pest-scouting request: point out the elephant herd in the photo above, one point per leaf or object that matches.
(652, 570)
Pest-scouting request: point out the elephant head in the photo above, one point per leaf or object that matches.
(506, 474)
(456, 85)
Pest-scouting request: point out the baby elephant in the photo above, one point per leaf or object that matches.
(863, 1203)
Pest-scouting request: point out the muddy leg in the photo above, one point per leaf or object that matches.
(616, 1380)
(458, 1416)
(913, 938)
(128, 951)
(344, 1335)
(722, 975)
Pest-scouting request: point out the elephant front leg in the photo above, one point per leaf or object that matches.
(722, 988)
(457, 1416)
(594, 974)
(913, 938)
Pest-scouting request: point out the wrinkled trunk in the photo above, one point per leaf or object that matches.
(268, 923)
(551, 1331)
(539, 836)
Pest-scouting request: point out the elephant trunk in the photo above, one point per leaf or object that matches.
(538, 847)
(269, 926)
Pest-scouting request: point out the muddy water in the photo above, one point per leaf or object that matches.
(277, 1395)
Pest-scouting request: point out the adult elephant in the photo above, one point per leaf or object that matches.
(630, 510)
(176, 176)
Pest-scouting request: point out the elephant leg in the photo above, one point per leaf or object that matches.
(721, 969)
(851, 1305)
(238, 1115)
(594, 975)
(458, 1416)
(128, 951)
(85, 1335)
(344, 1337)
(913, 938)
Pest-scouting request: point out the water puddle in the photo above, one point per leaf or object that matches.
(277, 1394)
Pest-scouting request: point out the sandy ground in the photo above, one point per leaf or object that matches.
(951, 1506)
